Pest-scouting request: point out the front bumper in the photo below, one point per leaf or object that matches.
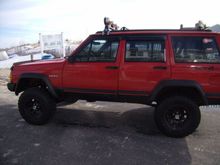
(11, 86)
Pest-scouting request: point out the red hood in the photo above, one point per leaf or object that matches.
(45, 67)
(40, 62)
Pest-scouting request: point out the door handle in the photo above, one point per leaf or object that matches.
(111, 67)
(160, 67)
(211, 68)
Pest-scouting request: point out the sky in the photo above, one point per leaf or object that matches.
(21, 21)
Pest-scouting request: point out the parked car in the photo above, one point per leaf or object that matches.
(47, 57)
(176, 71)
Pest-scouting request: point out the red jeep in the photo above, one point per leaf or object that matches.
(176, 71)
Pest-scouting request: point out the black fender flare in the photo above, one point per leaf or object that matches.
(178, 84)
(39, 76)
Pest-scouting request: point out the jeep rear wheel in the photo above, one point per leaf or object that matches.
(177, 116)
(36, 106)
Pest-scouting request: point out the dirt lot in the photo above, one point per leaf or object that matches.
(101, 133)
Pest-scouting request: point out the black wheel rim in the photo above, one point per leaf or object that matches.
(33, 107)
(177, 117)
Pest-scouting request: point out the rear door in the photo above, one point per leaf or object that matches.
(144, 64)
(197, 57)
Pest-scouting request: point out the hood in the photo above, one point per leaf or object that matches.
(45, 67)
(40, 62)
(39, 66)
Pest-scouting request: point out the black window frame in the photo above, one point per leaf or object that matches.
(208, 37)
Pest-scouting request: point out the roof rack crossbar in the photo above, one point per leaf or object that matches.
(110, 26)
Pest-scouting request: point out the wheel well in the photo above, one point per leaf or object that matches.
(26, 83)
(189, 92)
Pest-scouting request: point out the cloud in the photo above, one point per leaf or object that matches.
(24, 19)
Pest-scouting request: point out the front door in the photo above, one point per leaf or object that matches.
(95, 68)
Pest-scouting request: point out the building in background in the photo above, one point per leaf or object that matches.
(54, 43)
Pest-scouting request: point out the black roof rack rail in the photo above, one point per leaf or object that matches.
(184, 29)
(206, 29)
(111, 27)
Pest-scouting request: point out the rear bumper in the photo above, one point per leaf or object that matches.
(11, 86)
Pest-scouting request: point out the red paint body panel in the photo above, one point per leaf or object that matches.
(51, 68)
(90, 75)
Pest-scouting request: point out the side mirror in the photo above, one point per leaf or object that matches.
(71, 59)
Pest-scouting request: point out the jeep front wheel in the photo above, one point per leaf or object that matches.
(36, 106)
(177, 116)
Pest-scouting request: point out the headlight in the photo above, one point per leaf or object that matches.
(10, 74)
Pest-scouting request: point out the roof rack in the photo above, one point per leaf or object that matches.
(111, 27)
(199, 26)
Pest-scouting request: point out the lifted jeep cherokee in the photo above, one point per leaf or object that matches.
(176, 71)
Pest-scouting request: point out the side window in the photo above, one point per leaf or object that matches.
(99, 51)
(145, 51)
(195, 50)
(83, 55)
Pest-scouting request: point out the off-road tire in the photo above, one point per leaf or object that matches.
(36, 106)
(177, 116)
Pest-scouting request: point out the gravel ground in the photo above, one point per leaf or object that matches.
(102, 133)
(4, 73)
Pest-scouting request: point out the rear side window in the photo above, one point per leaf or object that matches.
(195, 50)
(145, 51)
